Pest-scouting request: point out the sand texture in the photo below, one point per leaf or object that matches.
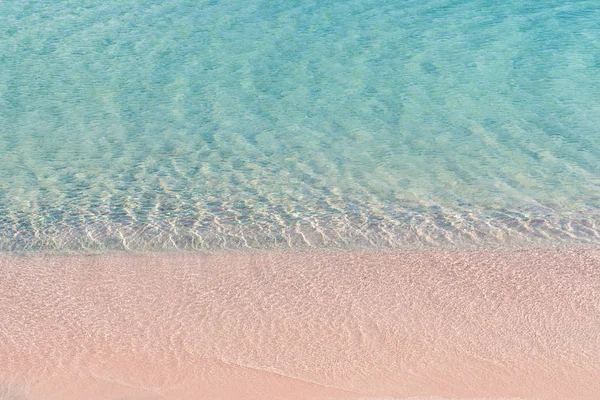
(286, 325)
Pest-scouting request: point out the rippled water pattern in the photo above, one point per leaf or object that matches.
(228, 124)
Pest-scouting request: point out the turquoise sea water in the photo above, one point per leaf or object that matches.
(266, 124)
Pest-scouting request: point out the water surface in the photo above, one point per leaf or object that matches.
(228, 124)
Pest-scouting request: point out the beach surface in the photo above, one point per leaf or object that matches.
(301, 325)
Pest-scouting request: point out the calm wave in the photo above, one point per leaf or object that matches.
(227, 124)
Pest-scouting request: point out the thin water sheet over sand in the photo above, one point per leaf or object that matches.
(285, 325)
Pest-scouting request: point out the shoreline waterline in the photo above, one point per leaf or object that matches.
(268, 324)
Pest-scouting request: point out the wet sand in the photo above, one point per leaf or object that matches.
(285, 325)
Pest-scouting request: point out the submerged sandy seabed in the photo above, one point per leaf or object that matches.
(284, 325)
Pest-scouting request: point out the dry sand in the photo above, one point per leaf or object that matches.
(285, 325)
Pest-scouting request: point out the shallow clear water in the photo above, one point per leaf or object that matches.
(226, 124)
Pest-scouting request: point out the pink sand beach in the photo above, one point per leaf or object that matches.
(287, 325)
